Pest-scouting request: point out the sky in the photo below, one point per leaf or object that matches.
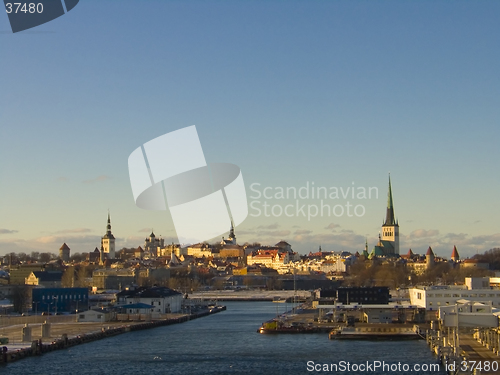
(335, 93)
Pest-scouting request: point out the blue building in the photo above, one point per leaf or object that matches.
(56, 300)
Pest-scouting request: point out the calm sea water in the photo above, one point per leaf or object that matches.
(224, 343)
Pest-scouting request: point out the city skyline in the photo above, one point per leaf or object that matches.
(335, 94)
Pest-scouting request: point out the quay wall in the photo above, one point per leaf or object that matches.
(38, 347)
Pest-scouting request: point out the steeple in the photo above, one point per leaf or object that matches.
(108, 227)
(108, 241)
(389, 217)
(390, 228)
(108, 234)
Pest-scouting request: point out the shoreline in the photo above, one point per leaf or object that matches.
(38, 347)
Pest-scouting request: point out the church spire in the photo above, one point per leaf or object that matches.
(389, 217)
(108, 227)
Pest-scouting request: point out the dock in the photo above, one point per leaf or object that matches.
(472, 356)
(67, 334)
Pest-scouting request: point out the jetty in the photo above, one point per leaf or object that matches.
(63, 334)
(377, 331)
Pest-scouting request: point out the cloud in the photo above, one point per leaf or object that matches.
(303, 231)
(100, 178)
(422, 233)
(145, 230)
(332, 226)
(76, 230)
(278, 233)
(272, 226)
(87, 239)
(8, 231)
(62, 179)
(345, 241)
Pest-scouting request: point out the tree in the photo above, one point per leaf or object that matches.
(45, 257)
(77, 257)
(20, 298)
(35, 256)
(68, 278)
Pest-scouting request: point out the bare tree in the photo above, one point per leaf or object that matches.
(20, 298)
(68, 278)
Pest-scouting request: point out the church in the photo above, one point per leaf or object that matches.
(388, 244)
(107, 243)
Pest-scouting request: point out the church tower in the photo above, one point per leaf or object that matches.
(108, 241)
(390, 228)
(232, 236)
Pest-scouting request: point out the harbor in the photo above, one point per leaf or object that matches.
(224, 343)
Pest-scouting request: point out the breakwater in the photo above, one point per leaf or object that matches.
(38, 347)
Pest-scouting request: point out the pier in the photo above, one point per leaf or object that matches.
(467, 351)
(66, 334)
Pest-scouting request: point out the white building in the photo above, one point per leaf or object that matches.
(96, 316)
(163, 300)
(153, 246)
(476, 289)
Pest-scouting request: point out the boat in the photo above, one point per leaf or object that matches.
(278, 327)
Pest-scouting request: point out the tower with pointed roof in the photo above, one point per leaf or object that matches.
(454, 255)
(232, 236)
(64, 251)
(231, 239)
(108, 241)
(390, 228)
(429, 258)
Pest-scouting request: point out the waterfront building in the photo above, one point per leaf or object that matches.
(56, 300)
(101, 315)
(161, 299)
(476, 289)
(108, 242)
(64, 252)
(377, 295)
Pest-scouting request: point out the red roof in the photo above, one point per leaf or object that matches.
(454, 253)
(429, 252)
(64, 247)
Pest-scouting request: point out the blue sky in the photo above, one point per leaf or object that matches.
(331, 92)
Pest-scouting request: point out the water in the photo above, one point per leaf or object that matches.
(224, 343)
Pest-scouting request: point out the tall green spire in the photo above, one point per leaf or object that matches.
(389, 217)
(389, 195)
